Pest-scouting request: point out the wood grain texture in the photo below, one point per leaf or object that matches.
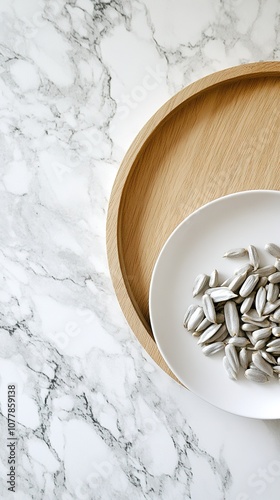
(217, 136)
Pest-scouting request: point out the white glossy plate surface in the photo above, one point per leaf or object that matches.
(197, 246)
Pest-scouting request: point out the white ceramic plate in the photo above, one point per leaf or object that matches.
(197, 246)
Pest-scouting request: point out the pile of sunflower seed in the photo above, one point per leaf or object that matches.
(241, 316)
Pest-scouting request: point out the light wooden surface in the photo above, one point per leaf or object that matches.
(217, 136)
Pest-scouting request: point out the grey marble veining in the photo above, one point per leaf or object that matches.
(96, 418)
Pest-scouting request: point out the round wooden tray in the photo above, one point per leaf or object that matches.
(217, 136)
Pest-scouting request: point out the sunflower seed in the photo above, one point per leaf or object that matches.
(244, 269)
(276, 331)
(274, 350)
(209, 308)
(200, 283)
(268, 357)
(231, 318)
(277, 264)
(260, 300)
(244, 358)
(260, 344)
(222, 294)
(273, 346)
(210, 349)
(248, 327)
(208, 333)
(253, 256)
(266, 271)
(238, 341)
(214, 278)
(276, 369)
(261, 324)
(237, 281)
(188, 314)
(274, 278)
(274, 343)
(256, 375)
(220, 335)
(231, 373)
(211, 290)
(252, 315)
(273, 321)
(236, 252)
(273, 249)
(261, 364)
(249, 285)
(269, 308)
(195, 318)
(247, 303)
(276, 315)
(272, 292)
(231, 354)
(262, 333)
(202, 326)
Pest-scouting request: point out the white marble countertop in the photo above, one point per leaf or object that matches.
(95, 417)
